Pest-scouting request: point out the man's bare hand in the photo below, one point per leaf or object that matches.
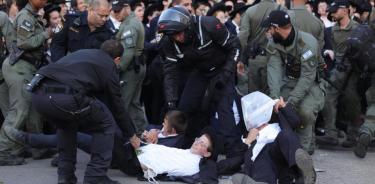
(279, 105)
(251, 136)
(240, 68)
(151, 136)
(135, 141)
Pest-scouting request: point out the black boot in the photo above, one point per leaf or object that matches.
(10, 160)
(15, 135)
(363, 142)
(307, 174)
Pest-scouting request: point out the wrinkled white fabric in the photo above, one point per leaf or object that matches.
(267, 135)
(257, 109)
(173, 161)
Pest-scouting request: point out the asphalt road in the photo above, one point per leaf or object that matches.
(338, 166)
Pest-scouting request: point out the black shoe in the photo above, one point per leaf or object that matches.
(67, 180)
(55, 161)
(99, 180)
(327, 140)
(305, 164)
(15, 135)
(11, 160)
(363, 142)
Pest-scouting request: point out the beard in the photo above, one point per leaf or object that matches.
(277, 38)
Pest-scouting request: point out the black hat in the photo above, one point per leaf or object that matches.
(333, 7)
(117, 5)
(239, 8)
(218, 7)
(277, 18)
(50, 8)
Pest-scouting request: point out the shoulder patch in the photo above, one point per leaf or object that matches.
(126, 33)
(27, 25)
(307, 55)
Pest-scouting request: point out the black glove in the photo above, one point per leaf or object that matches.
(220, 80)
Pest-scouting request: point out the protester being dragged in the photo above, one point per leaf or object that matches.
(274, 151)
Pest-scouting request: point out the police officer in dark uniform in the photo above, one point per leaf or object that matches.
(69, 95)
(86, 30)
(204, 44)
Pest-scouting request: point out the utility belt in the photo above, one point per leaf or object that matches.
(15, 54)
(54, 87)
(28, 57)
(58, 89)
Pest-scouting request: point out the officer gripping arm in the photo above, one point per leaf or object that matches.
(170, 69)
(27, 37)
(229, 43)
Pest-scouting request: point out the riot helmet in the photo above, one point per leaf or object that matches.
(173, 20)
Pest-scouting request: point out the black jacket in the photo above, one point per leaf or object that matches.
(288, 120)
(209, 48)
(92, 72)
(76, 35)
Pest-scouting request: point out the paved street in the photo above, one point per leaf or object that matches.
(334, 166)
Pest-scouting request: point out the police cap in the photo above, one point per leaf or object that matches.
(333, 7)
(277, 18)
(117, 5)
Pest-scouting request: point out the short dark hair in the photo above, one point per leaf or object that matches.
(21, 4)
(210, 147)
(177, 120)
(113, 48)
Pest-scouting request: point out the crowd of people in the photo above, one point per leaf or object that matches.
(160, 88)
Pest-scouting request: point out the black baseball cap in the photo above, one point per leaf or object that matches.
(117, 5)
(335, 5)
(277, 18)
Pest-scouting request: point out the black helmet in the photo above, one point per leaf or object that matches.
(173, 20)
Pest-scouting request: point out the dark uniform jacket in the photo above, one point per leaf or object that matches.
(209, 48)
(76, 35)
(231, 27)
(92, 72)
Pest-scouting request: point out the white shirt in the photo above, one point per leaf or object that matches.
(267, 135)
(175, 162)
(327, 23)
(115, 22)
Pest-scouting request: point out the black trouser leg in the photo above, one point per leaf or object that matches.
(101, 154)
(103, 126)
(67, 146)
(226, 123)
(191, 103)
